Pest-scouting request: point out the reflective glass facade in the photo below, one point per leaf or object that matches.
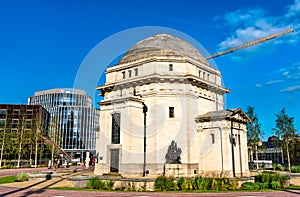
(73, 116)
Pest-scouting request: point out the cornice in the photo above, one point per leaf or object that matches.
(157, 78)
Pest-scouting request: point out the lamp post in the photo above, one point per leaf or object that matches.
(256, 153)
(145, 109)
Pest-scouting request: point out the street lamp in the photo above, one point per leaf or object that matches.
(257, 144)
(145, 109)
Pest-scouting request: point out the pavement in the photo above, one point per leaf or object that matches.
(54, 182)
(41, 188)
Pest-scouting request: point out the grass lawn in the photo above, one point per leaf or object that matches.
(294, 187)
(8, 179)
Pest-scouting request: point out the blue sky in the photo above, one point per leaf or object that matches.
(43, 44)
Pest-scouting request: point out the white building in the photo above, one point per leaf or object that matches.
(184, 97)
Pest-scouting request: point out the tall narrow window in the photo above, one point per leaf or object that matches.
(123, 73)
(207, 77)
(199, 73)
(203, 75)
(115, 133)
(129, 73)
(171, 112)
(212, 138)
(170, 67)
(136, 72)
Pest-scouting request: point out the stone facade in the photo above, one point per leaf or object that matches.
(177, 84)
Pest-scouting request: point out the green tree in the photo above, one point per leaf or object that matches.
(285, 130)
(4, 138)
(254, 132)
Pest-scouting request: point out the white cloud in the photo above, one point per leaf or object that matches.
(294, 9)
(273, 82)
(284, 77)
(251, 24)
(291, 88)
(285, 73)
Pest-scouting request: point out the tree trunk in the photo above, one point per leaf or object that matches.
(288, 156)
(30, 155)
(2, 147)
(256, 154)
(36, 147)
(20, 145)
(52, 155)
(20, 150)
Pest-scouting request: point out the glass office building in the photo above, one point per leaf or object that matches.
(74, 120)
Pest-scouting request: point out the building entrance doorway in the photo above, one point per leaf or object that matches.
(114, 160)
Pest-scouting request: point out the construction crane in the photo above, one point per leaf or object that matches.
(50, 142)
(260, 40)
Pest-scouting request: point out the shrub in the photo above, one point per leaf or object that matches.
(263, 185)
(95, 183)
(224, 184)
(9, 166)
(267, 177)
(74, 163)
(279, 167)
(198, 182)
(23, 176)
(181, 183)
(120, 188)
(27, 166)
(160, 183)
(249, 186)
(264, 177)
(110, 184)
(275, 177)
(231, 184)
(275, 184)
(170, 184)
(189, 184)
(295, 169)
(274, 165)
(163, 183)
(214, 184)
(208, 183)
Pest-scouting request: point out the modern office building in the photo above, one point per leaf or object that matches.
(268, 153)
(20, 128)
(74, 120)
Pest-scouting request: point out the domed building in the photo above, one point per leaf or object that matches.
(163, 113)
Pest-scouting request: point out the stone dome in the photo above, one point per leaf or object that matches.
(161, 45)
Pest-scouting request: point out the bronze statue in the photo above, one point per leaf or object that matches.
(173, 154)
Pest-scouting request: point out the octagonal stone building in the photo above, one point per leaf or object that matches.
(164, 87)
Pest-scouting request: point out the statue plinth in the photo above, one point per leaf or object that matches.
(174, 170)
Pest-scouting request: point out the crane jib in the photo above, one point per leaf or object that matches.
(259, 40)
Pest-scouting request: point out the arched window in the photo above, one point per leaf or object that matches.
(115, 129)
(170, 67)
